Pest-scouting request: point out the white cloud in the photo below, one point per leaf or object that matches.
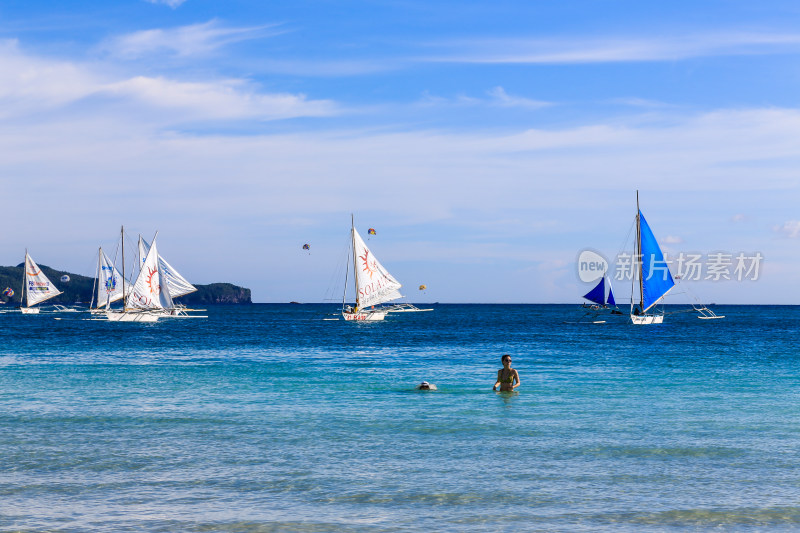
(789, 229)
(615, 49)
(30, 86)
(671, 239)
(184, 41)
(739, 217)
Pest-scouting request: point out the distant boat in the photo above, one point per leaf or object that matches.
(178, 286)
(150, 296)
(373, 284)
(35, 286)
(655, 279)
(145, 301)
(602, 298)
(108, 284)
(601, 295)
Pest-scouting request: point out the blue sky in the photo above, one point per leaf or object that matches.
(487, 142)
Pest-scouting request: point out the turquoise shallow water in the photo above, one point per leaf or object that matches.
(266, 418)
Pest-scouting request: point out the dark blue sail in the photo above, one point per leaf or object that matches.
(610, 300)
(598, 294)
(656, 277)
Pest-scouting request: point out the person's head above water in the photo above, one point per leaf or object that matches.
(505, 358)
(424, 385)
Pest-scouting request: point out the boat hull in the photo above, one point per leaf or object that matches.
(132, 316)
(29, 310)
(647, 319)
(364, 316)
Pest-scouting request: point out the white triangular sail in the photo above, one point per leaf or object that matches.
(150, 290)
(109, 282)
(37, 286)
(375, 284)
(178, 286)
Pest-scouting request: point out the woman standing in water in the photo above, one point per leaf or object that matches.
(507, 377)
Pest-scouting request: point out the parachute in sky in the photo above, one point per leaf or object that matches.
(306, 246)
(371, 231)
(423, 287)
(8, 292)
(65, 278)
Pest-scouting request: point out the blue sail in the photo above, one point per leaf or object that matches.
(656, 277)
(598, 294)
(610, 300)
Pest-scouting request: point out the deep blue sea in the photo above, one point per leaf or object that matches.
(267, 418)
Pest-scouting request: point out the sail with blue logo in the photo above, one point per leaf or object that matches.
(655, 275)
(109, 282)
(601, 294)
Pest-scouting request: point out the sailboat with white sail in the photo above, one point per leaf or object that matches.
(655, 279)
(35, 286)
(109, 286)
(148, 297)
(177, 284)
(373, 284)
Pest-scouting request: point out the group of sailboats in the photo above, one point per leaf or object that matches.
(149, 297)
(651, 282)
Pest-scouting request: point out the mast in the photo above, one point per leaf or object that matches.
(24, 275)
(639, 247)
(355, 261)
(96, 279)
(122, 237)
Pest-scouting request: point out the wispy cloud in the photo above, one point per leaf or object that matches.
(31, 85)
(429, 99)
(502, 99)
(615, 49)
(496, 97)
(184, 41)
(641, 103)
(671, 239)
(226, 99)
(789, 229)
(174, 4)
(28, 84)
(739, 217)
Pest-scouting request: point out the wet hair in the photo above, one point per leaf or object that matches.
(505, 356)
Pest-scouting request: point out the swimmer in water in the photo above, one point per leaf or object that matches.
(507, 377)
(426, 386)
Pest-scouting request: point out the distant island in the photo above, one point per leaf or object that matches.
(79, 289)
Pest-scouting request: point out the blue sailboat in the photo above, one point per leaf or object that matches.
(602, 294)
(655, 279)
